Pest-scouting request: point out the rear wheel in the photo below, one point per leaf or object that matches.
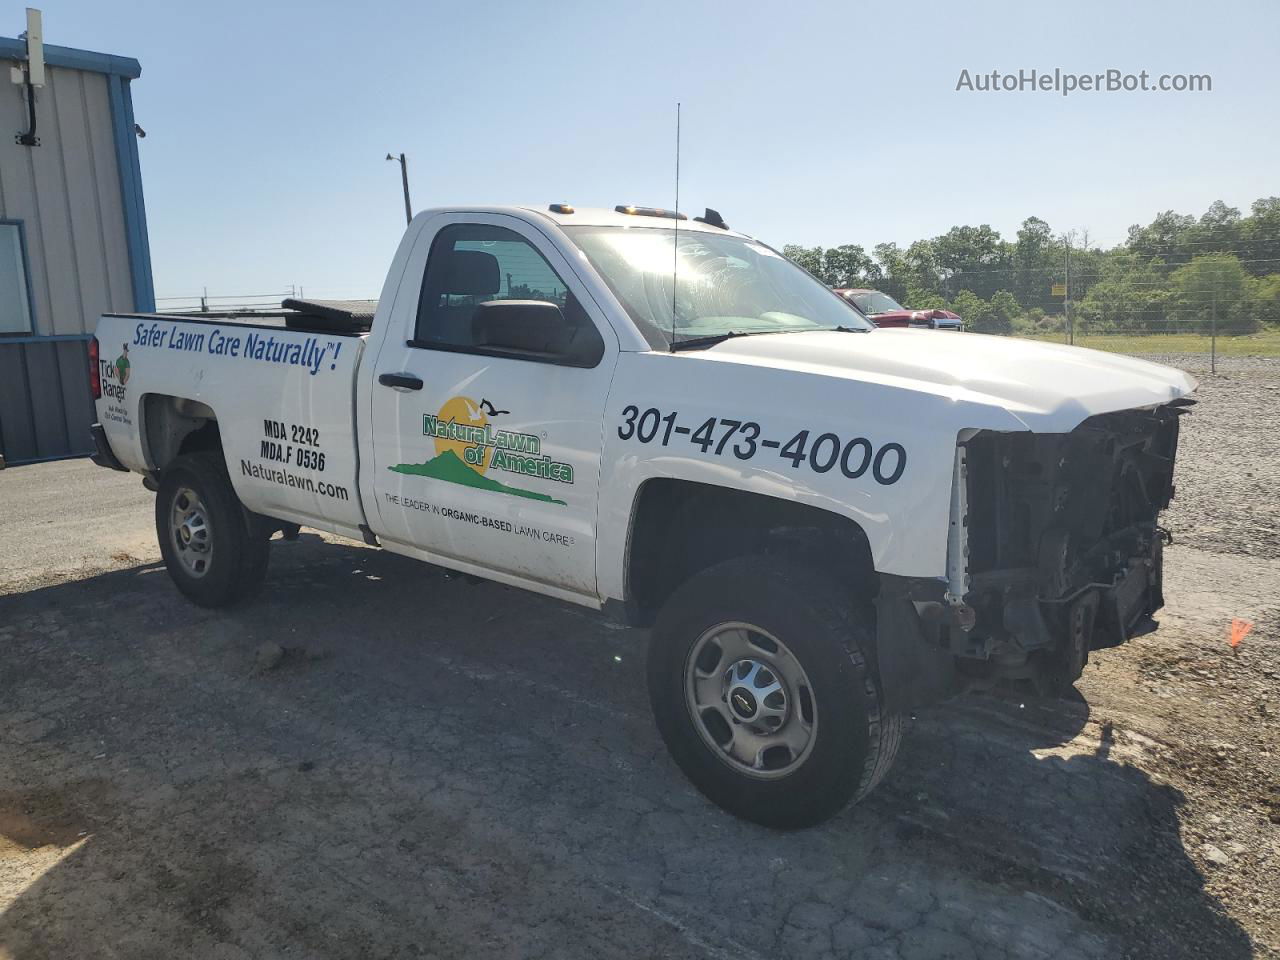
(214, 554)
(762, 693)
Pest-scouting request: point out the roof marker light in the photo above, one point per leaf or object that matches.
(561, 208)
(635, 211)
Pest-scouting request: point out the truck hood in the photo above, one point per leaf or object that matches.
(1047, 387)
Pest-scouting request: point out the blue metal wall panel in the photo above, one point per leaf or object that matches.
(17, 428)
(45, 407)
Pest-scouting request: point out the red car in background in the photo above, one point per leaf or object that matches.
(884, 311)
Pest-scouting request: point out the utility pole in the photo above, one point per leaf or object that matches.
(404, 179)
(1213, 341)
(1066, 296)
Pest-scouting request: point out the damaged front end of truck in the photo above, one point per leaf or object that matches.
(1054, 550)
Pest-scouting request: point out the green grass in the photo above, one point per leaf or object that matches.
(449, 468)
(1263, 344)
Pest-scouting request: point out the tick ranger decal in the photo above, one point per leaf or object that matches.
(744, 439)
(123, 365)
(113, 375)
(467, 446)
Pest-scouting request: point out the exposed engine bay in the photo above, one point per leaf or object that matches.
(1055, 550)
(1064, 548)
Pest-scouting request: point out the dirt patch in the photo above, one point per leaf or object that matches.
(52, 817)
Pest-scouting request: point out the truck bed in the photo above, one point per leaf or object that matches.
(280, 387)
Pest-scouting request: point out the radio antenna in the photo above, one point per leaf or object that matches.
(675, 237)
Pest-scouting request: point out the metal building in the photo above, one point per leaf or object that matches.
(73, 235)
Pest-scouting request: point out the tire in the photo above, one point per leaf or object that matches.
(811, 624)
(220, 558)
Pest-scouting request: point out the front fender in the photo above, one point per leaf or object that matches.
(784, 433)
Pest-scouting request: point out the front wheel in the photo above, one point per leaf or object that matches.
(762, 692)
(213, 553)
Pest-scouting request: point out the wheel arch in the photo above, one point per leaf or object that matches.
(172, 426)
(678, 527)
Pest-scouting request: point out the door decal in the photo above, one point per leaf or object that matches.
(467, 446)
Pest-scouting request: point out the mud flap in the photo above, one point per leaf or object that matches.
(912, 670)
(1057, 670)
(1125, 609)
(103, 455)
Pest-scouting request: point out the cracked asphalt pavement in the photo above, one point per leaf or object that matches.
(377, 760)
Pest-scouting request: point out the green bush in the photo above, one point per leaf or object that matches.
(918, 299)
(981, 316)
(969, 306)
(1266, 297)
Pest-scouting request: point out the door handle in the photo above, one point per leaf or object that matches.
(401, 381)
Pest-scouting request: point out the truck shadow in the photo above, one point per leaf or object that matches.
(424, 750)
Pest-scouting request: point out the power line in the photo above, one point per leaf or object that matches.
(1014, 270)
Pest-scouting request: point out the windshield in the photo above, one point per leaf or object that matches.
(875, 302)
(724, 284)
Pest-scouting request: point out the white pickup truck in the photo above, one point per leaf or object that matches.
(665, 420)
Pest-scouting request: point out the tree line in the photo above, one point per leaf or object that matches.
(1177, 272)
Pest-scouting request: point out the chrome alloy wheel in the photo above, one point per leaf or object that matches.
(189, 529)
(750, 700)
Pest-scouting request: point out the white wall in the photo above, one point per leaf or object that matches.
(67, 190)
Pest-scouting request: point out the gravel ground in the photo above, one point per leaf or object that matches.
(1228, 498)
(348, 768)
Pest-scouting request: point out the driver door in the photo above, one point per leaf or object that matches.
(487, 454)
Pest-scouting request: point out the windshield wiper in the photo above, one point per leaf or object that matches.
(693, 343)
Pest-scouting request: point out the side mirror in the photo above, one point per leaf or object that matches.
(523, 326)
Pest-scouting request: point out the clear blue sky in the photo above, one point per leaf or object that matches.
(811, 122)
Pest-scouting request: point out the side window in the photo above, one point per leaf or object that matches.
(473, 266)
(15, 299)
